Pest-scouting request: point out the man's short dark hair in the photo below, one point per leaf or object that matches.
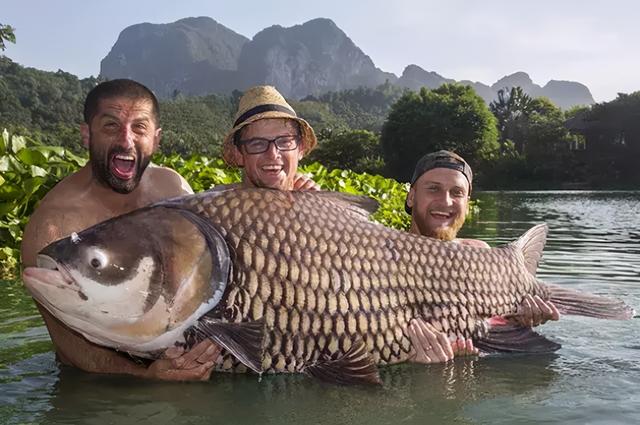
(118, 88)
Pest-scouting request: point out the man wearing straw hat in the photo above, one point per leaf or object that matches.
(267, 140)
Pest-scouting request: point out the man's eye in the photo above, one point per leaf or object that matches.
(257, 143)
(110, 125)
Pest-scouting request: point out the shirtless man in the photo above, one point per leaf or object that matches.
(438, 202)
(122, 132)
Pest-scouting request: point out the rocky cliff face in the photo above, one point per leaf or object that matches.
(167, 57)
(308, 59)
(198, 56)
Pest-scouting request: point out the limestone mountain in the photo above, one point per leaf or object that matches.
(413, 77)
(198, 56)
(308, 59)
(170, 57)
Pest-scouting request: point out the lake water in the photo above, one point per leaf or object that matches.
(593, 245)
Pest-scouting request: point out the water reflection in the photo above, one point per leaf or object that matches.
(410, 394)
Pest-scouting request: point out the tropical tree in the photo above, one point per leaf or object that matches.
(450, 117)
(7, 33)
(512, 109)
(355, 150)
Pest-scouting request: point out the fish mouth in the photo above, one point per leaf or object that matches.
(53, 273)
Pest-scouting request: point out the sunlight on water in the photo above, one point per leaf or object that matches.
(593, 245)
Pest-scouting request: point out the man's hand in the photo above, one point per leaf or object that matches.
(432, 346)
(302, 182)
(533, 312)
(195, 365)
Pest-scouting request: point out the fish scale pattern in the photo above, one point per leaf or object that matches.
(322, 276)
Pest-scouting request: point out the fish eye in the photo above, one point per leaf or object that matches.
(97, 259)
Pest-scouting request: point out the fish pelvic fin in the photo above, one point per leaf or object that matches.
(531, 245)
(354, 367)
(570, 301)
(514, 339)
(244, 340)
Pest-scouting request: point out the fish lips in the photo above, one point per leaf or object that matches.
(50, 272)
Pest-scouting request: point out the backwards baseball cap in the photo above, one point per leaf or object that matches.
(440, 159)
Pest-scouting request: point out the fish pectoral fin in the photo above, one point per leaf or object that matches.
(243, 340)
(355, 367)
(514, 339)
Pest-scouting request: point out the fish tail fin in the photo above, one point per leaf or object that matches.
(570, 301)
(531, 245)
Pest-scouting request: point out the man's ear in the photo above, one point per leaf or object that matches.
(410, 195)
(156, 139)
(300, 153)
(239, 158)
(85, 134)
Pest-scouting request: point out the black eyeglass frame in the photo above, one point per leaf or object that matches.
(275, 141)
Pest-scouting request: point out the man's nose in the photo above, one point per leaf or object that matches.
(273, 151)
(126, 137)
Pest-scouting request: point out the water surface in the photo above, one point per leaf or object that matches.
(593, 245)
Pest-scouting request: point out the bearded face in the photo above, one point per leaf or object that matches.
(117, 167)
(439, 201)
(121, 139)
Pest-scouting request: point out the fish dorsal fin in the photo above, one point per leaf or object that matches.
(361, 205)
(356, 366)
(531, 245)
(244, 340)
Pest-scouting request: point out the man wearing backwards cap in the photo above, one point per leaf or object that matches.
(267, 140)
(438, 203)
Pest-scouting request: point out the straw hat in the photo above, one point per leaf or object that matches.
(258, 103)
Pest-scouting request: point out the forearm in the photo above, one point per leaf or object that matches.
(76, 351)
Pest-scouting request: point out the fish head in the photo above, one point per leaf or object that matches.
(133, 279)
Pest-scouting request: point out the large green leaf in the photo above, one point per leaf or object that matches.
(18, 143)
(31, 157)
(4, 141)
(38, 171)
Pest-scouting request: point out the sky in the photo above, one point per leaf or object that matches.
(593, 42)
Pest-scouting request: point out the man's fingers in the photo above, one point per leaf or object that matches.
(210, 355)
(555, 314)
(418, 341)
(173, 352)
(442, 348)
(190, 359)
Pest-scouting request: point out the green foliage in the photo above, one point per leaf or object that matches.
(364, 107)
(7, 33)
(451, 117)
(28, 170)
(356, 150)
(389, 193)
(195, 124)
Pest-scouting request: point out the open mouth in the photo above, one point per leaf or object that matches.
(441, 215)
(123, 166)
(271, 169)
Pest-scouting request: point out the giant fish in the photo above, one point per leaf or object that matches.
(290, 282)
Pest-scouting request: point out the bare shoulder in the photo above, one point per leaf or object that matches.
(55, 217)
(166, 182)
(477, 243)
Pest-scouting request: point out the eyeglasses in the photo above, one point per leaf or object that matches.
(258, 145)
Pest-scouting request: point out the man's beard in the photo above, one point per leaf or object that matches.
(447, 234)
(101, 167)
